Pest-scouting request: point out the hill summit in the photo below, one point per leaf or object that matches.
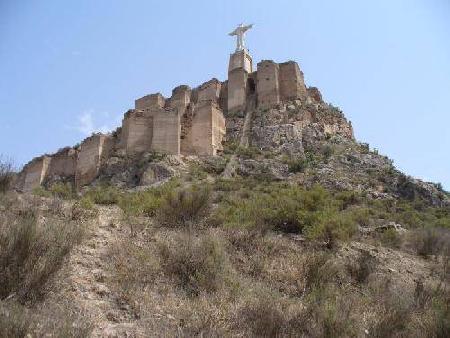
(237, 208)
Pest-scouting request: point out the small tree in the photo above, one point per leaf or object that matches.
(6, 174)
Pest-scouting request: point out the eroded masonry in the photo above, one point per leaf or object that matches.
(192, 121)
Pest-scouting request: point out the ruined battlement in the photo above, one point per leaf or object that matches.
(190, 122)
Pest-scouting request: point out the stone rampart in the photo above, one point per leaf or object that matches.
(267, 84)
(209, 91)
(137, 131)
(93, 152)
(34, 173)
(63, 163)
(150, 101)
(208, 129)
(292, 83)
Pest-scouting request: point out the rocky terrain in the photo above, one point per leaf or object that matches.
(295, 229)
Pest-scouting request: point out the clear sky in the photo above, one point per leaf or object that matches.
(68, 68)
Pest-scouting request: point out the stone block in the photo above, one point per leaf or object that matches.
(267, 85)
(240, 60)
(180, 99)
(63, 163)
(291, 80)
(94, 150)
(208, 129)
(166, 131)
(35, 172)
(150, 101)
(209, 91)
(137, 131)
(237, 90)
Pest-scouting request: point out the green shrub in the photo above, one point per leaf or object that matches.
(104, 195)
(183, 207)
(247, 152)
(63, 190)
(145, 202)
(197, 264)
(297, 165)
(41, 192)
(391, 238)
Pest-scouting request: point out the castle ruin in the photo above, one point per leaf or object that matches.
(193, 121)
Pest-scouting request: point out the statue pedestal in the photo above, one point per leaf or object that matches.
(238, 69)
(241, 59)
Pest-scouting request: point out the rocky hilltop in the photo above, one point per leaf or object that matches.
(237, 208)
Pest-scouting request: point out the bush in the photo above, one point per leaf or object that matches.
(63, 190)
(363, 267)
(104, 195)
(328, 226)
(31, 254)
(145, 203)
(297, 165)
(263, 316)
(391, 238)
(431, 241)
(41, 192)
(185, 206)
(6, 174)
(319, 270)
(197, 264)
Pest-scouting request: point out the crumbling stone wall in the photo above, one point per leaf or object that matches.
(34, 173)
(267, 84)
(209, 91)
(150, 101)
(166, 131)
(180, 99)
(137, 131)
(208, 129)
(63, 164)
(292, 83)
(93, 152)
(237, 90)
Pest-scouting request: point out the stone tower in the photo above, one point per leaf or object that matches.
(239, 68)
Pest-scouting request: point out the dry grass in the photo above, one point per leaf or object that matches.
(31, 251)
(6, 174)
(196, 264)
(184, 207)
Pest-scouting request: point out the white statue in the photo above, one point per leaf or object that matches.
(240, 36)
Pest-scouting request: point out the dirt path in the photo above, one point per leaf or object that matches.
(83, 278)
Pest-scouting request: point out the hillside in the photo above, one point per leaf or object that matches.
(295, 229)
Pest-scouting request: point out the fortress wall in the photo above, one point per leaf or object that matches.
(93, 151)
(35, 172)
(63, 163)
(166, 131)
(292, 83)
(218, 129)
(223, 98)
(137, 130)
(208, 129)
(150, 101)
(267, 85)
(209, 91)
(180, 99)
(237, 89)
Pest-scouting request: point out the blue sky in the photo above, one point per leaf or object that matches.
(68, 68)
